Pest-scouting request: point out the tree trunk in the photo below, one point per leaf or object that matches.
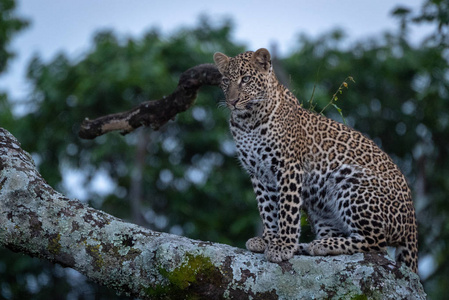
(38, 221)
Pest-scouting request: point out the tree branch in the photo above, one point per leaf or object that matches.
(38, 221)
(157, 112)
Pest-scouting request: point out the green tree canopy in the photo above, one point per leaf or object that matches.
(10, 24)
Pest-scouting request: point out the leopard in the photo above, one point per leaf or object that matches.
(355, 197)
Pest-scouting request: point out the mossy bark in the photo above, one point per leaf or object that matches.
(38, 221)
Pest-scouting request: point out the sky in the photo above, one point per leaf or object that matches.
(68, 26)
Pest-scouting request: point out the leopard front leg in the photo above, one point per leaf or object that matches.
(284, 245)
(267, 200)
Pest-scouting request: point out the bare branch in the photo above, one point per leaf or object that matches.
(157, 112)
(132, 260)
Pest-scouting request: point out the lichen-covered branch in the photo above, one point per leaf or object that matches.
(38, 221)
(157, 112)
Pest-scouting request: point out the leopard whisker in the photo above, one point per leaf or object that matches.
(222, 104)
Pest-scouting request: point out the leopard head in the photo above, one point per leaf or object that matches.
(246, 78)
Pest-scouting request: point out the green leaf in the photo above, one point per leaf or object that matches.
(340, 112)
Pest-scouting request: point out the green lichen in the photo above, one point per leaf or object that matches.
(95, 253)
(183, 278)
(53, 244)
(184, 275)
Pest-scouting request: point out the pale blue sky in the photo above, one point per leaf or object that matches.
(62, 25)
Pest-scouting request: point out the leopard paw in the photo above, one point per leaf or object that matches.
(256, 244)
(277, 253)
(303, 249)
(318, 248)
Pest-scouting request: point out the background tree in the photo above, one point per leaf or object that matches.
(184, 178)
(10, 25)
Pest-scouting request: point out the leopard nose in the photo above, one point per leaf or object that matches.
(233, 103)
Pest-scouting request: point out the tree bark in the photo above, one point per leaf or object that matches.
(155, 113)
(38, 221)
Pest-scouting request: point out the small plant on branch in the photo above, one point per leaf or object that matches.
(334, 98)
(339, 91)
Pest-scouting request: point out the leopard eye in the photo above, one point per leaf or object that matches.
(245, 79)
(225, 80)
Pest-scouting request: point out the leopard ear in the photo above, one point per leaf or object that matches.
(221, 61)
(262, 59)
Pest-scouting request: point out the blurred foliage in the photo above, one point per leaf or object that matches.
(184, 178)
(10, 25)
